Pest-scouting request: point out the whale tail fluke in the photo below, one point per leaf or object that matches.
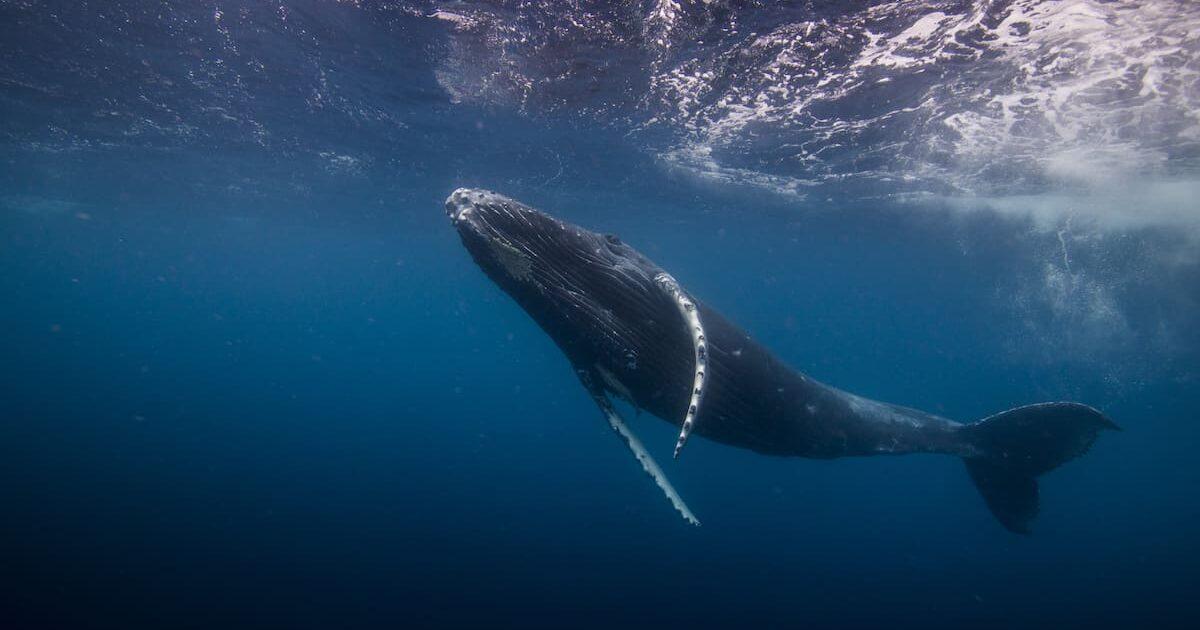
(1018, 445)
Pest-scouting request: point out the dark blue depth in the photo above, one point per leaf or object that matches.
(247, 384)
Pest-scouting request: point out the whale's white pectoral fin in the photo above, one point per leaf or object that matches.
(649, 465)
(639, 451)
(691, 318)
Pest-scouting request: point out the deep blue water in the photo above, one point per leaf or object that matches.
(250, 377)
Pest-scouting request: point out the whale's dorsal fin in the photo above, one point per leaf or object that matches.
(691, 319)
(635, 445)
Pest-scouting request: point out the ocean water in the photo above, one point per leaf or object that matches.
(250, 377)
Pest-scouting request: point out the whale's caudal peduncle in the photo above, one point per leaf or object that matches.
(691, 319)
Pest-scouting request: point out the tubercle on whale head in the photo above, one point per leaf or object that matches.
(462, 201)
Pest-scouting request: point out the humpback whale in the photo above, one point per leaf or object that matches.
(630, 330)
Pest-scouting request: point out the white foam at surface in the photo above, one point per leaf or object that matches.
(990, 100)
(1068, 64)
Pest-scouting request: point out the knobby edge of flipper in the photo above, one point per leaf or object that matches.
(635, 445)
(691, 320)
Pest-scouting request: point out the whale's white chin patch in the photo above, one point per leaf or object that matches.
(514, 261)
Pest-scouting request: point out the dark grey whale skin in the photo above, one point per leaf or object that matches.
(596, 297)
(598, 300)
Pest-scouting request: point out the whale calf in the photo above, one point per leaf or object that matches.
(630, 330)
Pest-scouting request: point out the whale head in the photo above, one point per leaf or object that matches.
(517, 243)
(591, 292)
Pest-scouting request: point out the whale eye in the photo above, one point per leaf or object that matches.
(612, 239)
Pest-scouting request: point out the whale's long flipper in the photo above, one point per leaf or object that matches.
(635, 445)
(691, 318)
